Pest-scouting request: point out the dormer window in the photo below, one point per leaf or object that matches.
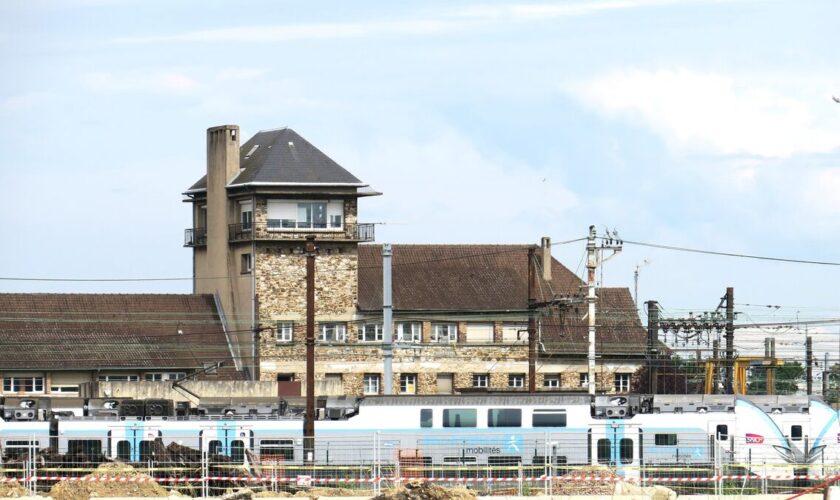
(288, 215)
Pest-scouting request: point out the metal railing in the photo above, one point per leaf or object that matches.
(195, 237)
(286, 229)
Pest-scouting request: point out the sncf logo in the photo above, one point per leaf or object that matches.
(754, 438)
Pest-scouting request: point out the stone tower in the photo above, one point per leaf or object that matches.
(252, 212)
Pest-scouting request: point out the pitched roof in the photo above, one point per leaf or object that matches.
(100, 331)
(283, 157)
(457, 278)
(464, 278)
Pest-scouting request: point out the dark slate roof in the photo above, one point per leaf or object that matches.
(465, 278)
(458, 278)
(283, 157)
(42, 331)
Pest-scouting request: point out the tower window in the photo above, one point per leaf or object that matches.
(246, 263)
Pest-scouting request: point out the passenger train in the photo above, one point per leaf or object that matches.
(624, 432)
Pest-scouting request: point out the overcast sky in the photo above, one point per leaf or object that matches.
(704, 124)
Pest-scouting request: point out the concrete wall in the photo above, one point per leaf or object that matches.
(164, 390)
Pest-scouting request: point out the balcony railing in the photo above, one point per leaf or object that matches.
(284, 229)
(195, 237)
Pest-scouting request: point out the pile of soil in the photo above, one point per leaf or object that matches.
(12, 490)
(418, 490)
(568, 485)
(79, 490)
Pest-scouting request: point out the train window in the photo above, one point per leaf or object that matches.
(459, 418)
(549, 418)
(504, 417)
(237, 451)
(426, 417)
(277, 448)
(625, 450)
(214, 447)
(124, 450)
(19, 448)
(722, 432)
(796, 433)
(84, 446)
(604, 451)
(147, 451)
(665, 439)
(459, 460)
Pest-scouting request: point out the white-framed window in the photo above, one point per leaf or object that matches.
(333, 332)
(408, 383)
(551, 381)
(371, 332)
(480, 380)
(515, 332)
(64, 389)
(516, 380)
(23, 383)
(479, 332)
(246, 215)
(290, 215)
(118, 378)
(409, 331)
(583, 379)
(622, 382)
(445, 332)
(371, 383)
(285, 331)
(312, 215)
(246, 263)
(163, 376)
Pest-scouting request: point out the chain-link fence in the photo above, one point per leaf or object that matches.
(521, 463)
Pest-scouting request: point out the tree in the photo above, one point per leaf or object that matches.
(788, 378)
(676, 376)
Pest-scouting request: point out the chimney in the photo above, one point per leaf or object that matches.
(222, 167)
(545, 247)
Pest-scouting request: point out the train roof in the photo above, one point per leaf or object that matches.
(478, 400)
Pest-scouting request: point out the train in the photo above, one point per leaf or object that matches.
(627, 433)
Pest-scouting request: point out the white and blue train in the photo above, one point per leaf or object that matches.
(625, 432)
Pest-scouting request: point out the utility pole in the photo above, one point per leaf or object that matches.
(652, 339)
(387, 317)
(730, 338)
(809, 366)
(591, 265)
(825, 377)
(309, 417)
(715, 365)
(532, 325)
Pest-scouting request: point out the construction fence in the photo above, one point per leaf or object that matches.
(501, 464)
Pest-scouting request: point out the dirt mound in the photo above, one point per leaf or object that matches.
(417, 490)
(12, 490)
(82, 490)
(570, 485)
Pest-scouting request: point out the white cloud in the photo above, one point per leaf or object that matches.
(705, 112)
(26, 100)
(155, 82)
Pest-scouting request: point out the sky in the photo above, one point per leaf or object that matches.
(706, 124)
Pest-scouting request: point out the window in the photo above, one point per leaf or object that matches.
(479, 332)
(245, 263)
(118, 378)
(625, 450)
(515, 332)
(237, 451)
(163, 376)
(371, 383)
(291, 215)
(408, 383)
(371, 333)
(516, 380)
(64, 389)
(215, 447)
(147, 450)
(445, 332)
(459, 460)
(459, 418)
(583, 379)
(124, 450)
(409, 332)
(665, 439)
(796, 433)
(722, 432)
(426, 418)
(333, 332)
(312, 215)
(481, 380)
(89, 447)
(551, 381)
(246, 215)
(285, 331)
(28, 383)
(622, 382)
(277, 448)
(504, 417)
(604, 451)
(548, 418)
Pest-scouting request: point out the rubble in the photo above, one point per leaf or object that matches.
(418, 490)
(82, 490)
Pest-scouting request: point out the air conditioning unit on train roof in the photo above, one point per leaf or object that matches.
(616, 406)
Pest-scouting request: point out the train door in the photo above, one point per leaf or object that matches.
(134, 443)
(616, 445)
(231, 441)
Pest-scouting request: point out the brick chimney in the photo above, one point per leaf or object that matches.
(545, 254)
